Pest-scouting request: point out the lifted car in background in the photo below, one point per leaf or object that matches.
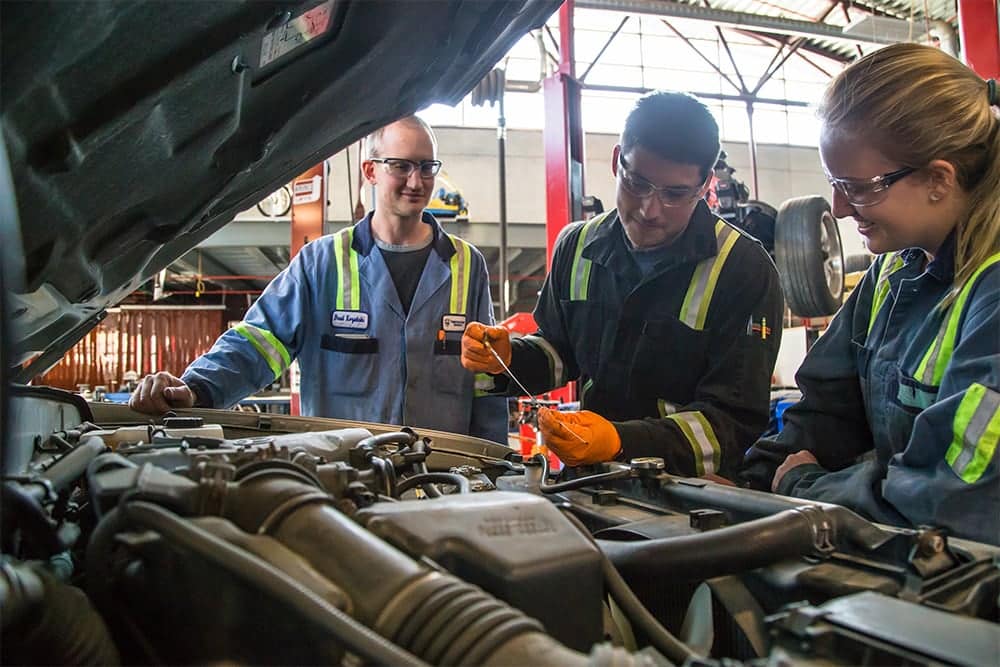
(136, 130)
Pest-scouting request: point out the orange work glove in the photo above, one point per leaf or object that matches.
(476, 357)
(579, 438)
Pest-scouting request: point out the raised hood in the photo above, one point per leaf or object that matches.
(135, 130)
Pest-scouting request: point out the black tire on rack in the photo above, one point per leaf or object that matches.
(809, 256)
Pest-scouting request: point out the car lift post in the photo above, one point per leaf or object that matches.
(308, 221)
(980, 34)
(563, 138)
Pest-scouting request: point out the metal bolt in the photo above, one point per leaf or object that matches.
(648, 463)
(604, 497)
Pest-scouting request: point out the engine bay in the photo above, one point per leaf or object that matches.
(213, 536)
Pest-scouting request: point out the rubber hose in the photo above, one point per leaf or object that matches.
(440, 477)
(71, 466)
(394, 438)
(57, 627)
(659, 637)
(274, 582)
(577, 483)
(430, 489)
(787, 535)
(32, 519)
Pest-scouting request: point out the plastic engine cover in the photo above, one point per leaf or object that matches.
(516, 546)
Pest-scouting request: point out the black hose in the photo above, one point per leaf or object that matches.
(659, 637)
(440, 477)
(71, 466)
(395, 438)
(579, 482)
(267, 578)
(431, 490)
(387, 473)
(23, 510)
(787, 535)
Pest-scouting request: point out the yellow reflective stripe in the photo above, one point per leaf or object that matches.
(267, 345)
(579, 275)
(349, 282)
(484, 384)
(975, 432)
(701, 436)
(694, 309)
(665, 407)
(935, 360)
(461, 268)
(890, 265)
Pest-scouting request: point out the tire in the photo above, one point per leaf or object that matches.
(809, 257)
(855, 263)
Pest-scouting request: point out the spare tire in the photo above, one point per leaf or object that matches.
(809, 256)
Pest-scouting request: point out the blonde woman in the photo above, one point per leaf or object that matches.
(900, 416)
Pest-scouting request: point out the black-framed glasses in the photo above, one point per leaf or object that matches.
(402, 168)
(869, 191)
(670, 195)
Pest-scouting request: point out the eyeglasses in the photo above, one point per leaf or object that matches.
(402, 168)
(868, 191)
(671, 195)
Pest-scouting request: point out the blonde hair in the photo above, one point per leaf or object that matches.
(373, 142)
(916, 104)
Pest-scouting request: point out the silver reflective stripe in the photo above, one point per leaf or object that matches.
(460, 274)
(484, 384)
(556, 367)
(579, 275)
(929, 362)
(267, 345)
(700, 435)
(694, 309)
(974, 433)
(345, 254)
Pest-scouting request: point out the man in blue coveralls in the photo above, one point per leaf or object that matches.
(374, 314)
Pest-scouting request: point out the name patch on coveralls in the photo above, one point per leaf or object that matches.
(453, 322)
(349, 319)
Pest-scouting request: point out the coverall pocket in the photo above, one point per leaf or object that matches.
(353, 364)
(448, 374)
(668, 360)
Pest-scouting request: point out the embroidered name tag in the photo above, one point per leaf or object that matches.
(453, 322)
(349, 319)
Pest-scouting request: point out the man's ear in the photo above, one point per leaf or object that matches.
(942, 179)
(614, 159)
(368, 171)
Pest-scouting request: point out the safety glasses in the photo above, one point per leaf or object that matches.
(402, 168)
(671, 195)
(869, 191)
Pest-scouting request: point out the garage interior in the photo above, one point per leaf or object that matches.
(263, 534)
(759, 66)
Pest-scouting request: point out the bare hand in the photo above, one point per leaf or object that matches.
(159, 393)
(801, 457)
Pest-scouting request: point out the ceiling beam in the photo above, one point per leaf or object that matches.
(725, 17)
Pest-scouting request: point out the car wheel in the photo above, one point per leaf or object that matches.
(854, 263)
(809, 256)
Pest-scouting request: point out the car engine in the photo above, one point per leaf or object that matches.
(224, 537)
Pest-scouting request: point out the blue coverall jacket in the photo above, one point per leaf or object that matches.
(336, 309)
(881, 382)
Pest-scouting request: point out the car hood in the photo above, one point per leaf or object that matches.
(135, 130)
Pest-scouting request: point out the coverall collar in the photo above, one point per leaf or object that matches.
(364, 240)
(609, 247)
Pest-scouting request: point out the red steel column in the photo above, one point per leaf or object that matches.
(563, 139)
(980, 33)
(308, 216)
